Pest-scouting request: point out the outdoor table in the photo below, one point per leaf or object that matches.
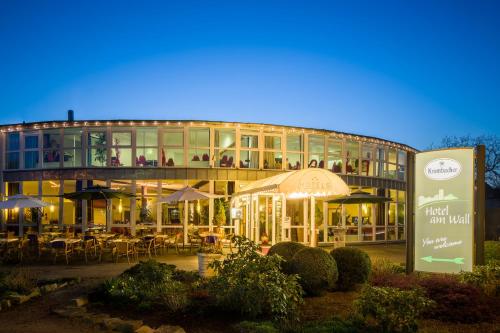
(51, 234)
(210, 237)
(71, 241)
(8, 240)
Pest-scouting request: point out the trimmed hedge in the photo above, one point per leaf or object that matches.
(353, 266)
(286, 250)
(491, 251)
(316, 268)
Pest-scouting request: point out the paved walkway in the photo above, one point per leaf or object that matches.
(184, 261)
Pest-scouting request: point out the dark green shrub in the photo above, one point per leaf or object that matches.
(392, 309)
(353, 266)
(19, 280)
(316, 268)
(145, 285)
(491, 251)
(254, 285)
(286, 250)
(484, 277)
(256, 327)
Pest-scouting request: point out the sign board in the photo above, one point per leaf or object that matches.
(444, 210)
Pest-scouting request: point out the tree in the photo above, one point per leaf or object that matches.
(220, 212)
(492, 144)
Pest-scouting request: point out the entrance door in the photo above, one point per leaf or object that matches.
(298, 217)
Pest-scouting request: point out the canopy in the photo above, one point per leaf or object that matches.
(304, 183)
(188, 194)
(22, 201)
(360, 197)
(97, 193)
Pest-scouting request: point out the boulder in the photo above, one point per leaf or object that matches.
(80, 301)
(169, 329)
(145, 329)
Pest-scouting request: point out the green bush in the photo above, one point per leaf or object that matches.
(145, 285)
(286, 250)
(491, 251)
(353, 266)
(385, 266)
(19, 280)
(254, 285)
(485, 277)
(316, 268)
(391, 309)
(256, 327)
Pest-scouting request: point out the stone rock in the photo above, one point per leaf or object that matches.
(48, 288)
(117, 324)
(81, 301)
(35, 293)
(112, 323)
(70, 312)
(169, 329)
(19, 299)
(145, 329)
(96, 319)
(5, 304)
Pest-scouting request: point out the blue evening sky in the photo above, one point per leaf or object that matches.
(409, 71)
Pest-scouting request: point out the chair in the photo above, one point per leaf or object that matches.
(124, 249)
(227, 239)
(158, 245)
(194, 240)
(321, 164)
(230, 162)
(86, 248)
(24, 249)
(196, 158)
(205, 157)
(105, 248)
(93, 243)
(61, 248)
(145, 247)
(175, 240)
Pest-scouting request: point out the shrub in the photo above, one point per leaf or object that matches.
(254, 285)
(455, 301)
(286, 250)
(484, 277)
(146, 284)
(353, 266)
(385, 266)
(392, 309)
(394, 280)
(256, 327)
(19, 280)
(336, 325)
(491, 251)
(316, 268)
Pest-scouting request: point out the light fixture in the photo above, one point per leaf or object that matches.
(51, 208)
(16, 209)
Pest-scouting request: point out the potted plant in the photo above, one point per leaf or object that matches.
(207, 255)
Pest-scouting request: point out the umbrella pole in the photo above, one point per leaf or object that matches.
(185, 221)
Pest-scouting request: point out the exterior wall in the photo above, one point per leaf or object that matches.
(139, 151)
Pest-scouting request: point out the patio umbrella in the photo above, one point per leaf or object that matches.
(187, 194)
(360, 197)
(23, 201)
(97, 193)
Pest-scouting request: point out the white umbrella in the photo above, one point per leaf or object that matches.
(187, 194)
(23, 201)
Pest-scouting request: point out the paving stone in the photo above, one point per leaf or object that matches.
(169, 329)
(49, 288)
(19, 299)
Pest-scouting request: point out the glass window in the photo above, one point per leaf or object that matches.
(51, 146)
(392, 156)
(121, 157)
(272, 142)
(12, 160)
(72, 138)
(97, 157)
(51, 139)
(30, 140)
(273, 160)
(294, 142)
(121, 139)
(392, 214)
(199, 158)
(225, 138)
(335, 155)
(249, 141)
(147, 157)
(147, 137)
(225, 158)
(13, 141)
(294, 161)
(31, 160)
(173, 138)
(96, 138)
(316, 151)
(367, 163)
(352, 157)
(72, 158)
(172, 157)
(199, 137)
(249, 159)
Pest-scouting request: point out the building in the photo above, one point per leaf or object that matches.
(153, 158)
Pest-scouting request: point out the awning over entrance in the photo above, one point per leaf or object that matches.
(313, 182)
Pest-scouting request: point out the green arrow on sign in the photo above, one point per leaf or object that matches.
(458, 261)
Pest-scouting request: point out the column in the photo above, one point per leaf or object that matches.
(305, 202)
(158, 207)
(211, 187)
(133, 207)
(313, 221)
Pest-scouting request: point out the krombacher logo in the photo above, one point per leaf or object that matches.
(442, 169)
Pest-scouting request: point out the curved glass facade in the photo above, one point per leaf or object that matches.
(153, 158)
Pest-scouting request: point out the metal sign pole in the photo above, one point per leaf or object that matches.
(480, 199)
